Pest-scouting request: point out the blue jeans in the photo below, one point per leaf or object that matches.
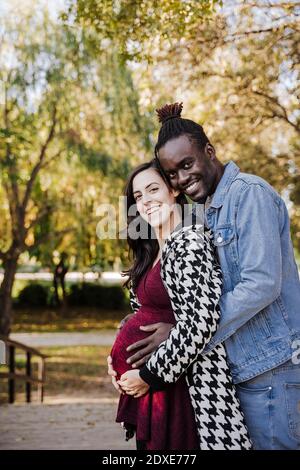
(271, 404)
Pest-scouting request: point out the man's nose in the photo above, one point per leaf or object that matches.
(183, 178)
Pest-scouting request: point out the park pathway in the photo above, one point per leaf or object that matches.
(72, 426)
(36, 340)
(63, 422)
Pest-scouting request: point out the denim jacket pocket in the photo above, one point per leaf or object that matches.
(223, 235)
(224, 242)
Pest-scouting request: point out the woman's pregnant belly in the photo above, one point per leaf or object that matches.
(131, 333)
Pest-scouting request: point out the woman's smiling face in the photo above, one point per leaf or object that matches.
(153, 197)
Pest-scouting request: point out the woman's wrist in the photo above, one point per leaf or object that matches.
(156, 383)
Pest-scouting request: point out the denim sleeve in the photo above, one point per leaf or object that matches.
(260, 263)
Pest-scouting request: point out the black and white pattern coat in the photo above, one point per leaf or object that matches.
(193, 281)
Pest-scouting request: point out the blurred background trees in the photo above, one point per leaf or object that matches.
(70, 130)
(79, 84)
(235, 64)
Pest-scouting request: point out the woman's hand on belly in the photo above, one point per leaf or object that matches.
(132, 384)
(113, 374)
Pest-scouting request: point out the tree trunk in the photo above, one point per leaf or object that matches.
(10, 267)
(56, 296)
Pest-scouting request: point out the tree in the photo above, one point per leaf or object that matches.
(238, 74)
(70, 123)
(32, 74)
(131, 27)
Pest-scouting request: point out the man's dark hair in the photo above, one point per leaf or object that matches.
(173, 125)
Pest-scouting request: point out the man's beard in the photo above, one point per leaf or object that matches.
(201, 200)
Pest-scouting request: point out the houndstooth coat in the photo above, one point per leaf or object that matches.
(192, 278)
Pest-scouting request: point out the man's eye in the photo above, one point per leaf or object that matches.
(172, 174)
(186, 166)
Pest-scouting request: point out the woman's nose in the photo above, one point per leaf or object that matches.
(147, 199)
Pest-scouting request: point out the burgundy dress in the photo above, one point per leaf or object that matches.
(164, 420)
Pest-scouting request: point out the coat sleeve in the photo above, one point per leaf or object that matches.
(193, 280)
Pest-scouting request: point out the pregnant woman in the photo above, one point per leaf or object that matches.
(175, 279)
(161, 419)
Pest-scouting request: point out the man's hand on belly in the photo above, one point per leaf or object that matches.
(148, 345)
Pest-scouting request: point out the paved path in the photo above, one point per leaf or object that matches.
(109, 277)
(88, 426)
(63, 422)
(101, 338)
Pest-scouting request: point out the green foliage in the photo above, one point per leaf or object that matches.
(133, 25)
(79, 295)
(92, 295)
(34, 295)
(71, 129)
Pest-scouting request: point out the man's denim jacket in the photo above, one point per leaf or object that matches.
(260, 302)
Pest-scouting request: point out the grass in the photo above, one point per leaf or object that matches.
(71, 320)
(73, 371)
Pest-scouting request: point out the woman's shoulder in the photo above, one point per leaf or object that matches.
(191, 232)
(192, 237)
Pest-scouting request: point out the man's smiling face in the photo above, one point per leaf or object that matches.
(194, 172)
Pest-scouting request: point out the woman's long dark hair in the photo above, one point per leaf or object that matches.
(144, 250)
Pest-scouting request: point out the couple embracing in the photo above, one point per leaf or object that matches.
(215, 299)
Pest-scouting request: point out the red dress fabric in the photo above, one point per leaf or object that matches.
(165, 419)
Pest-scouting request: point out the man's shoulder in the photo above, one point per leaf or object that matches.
(249, 178)
(242, 181)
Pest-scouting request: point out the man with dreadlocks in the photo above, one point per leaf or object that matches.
(260, 321)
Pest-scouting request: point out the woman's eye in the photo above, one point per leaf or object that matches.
(137, 197)
(153, 190)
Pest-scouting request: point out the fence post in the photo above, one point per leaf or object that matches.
(2, 352)
(11, 380)
(28, 373)
(12, 376)
(41, 376)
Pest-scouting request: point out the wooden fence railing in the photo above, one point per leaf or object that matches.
(12, 376)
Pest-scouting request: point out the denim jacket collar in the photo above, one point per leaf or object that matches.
(231, 170)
